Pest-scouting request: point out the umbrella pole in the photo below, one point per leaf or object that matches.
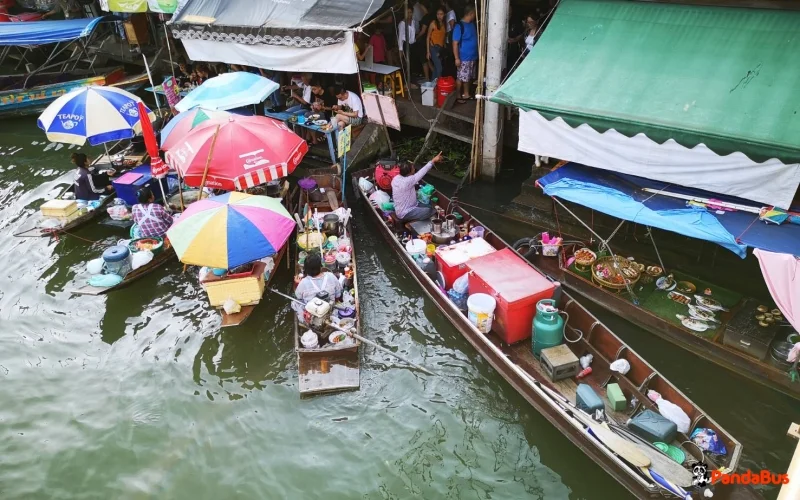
(208, 162)
(108, 155)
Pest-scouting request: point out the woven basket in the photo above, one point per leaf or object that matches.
(609, 261)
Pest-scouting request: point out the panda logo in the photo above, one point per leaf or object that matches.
(701, 476)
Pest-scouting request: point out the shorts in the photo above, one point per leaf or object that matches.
(466, 72)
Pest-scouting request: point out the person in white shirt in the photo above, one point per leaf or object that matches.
(415, 44)
(303, 98)
(349, 111)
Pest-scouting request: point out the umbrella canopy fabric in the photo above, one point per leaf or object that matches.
(183, 123)
(249, 151)
(230, 230)
(229, 91)
(158, 168)
(94, 113)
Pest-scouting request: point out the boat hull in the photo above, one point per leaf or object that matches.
(500, 357)
(158, 261)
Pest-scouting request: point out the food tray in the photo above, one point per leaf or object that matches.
(609, 261)
(585, 264)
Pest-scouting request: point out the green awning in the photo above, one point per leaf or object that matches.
(725, 77)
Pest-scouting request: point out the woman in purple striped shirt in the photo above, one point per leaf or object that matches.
(404, 192)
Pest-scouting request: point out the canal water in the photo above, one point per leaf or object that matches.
(141, 395)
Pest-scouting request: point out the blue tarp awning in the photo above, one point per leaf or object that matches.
(622, 196)
(43, 32)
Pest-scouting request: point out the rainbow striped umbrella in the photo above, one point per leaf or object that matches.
(230, 230)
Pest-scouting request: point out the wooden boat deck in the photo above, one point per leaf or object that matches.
(330, 369)
(523, 372)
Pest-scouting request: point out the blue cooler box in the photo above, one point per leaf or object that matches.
(129, 183)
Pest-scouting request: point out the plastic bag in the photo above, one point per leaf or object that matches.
(231, 307)
(461, 285)
(365, 185)
(203, 273)
(378, 198)
(671, 411)
(119, 212)
(105, 280)
(95, 266)
(140, 259)
(708, 441)
(620, 366)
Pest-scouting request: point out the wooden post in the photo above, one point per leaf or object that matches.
(208, 162)
(791, 491)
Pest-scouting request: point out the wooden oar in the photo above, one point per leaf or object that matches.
(387, 351)
(662, 464)
(625, 449)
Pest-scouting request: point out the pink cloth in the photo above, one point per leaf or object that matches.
(782, 274)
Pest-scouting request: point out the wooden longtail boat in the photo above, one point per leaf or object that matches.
(711, 348)
(332, 369)
(15, 101)
(38, 229)
(517, 364)
(158, 260)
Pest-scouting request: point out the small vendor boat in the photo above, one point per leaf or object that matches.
(332, 365)
(253, 279)
(159, 259)
(549, 380)
(44, 225)
(731, 338)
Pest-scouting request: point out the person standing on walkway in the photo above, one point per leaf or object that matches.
(436, 35)
(465, 50)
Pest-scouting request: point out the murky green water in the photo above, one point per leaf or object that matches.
(140, 395)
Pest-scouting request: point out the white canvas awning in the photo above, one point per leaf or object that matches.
(771, 182)
(335, 58)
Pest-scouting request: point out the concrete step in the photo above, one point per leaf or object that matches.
(459, 116)
(453, 135)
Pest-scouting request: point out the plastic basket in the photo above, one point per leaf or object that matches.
(157, 248)
(550, 250)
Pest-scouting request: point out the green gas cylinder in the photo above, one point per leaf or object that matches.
(548, 326)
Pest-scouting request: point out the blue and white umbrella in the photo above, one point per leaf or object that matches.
(229, 91)
(93, 113)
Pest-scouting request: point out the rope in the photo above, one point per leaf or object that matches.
(738, 240)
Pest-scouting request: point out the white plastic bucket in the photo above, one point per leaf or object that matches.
(427, 92)
(417, 249)
(480, 307)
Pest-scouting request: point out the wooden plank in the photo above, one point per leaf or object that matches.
(238, 318)
(326, 371)
(459, 116)
(334, 203)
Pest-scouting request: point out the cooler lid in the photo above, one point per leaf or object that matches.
(510, 276)
(59, 204)
(459, 253)
(128, 178)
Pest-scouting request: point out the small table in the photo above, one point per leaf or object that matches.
(284, 117)
(391, 75)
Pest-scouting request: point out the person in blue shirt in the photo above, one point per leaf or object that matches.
(465, 50)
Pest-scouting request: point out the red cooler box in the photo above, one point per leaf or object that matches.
(516, 286)
(452, 260)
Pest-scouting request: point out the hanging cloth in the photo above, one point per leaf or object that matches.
(782, 274)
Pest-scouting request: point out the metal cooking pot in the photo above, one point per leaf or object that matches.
(330, 224)
(437, 225)
(317, 195)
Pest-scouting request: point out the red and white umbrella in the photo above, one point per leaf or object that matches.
(247, 151)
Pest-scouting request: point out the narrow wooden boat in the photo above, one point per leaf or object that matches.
(329, 369)
(158, 260)
(17, 101)
(39, 228)
(236, 319)
(517, 364)
(736, 325)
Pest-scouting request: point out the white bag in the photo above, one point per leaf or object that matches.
(461, 285)
(621, 366)
(671, 412)
(378, 198)
(231, 307)
(95, 266)
(140, 259)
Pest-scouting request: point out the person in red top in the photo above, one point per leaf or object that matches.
(378, 43)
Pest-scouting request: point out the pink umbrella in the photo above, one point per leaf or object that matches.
(238, 152)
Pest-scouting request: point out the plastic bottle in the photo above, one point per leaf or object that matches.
(671, 411)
